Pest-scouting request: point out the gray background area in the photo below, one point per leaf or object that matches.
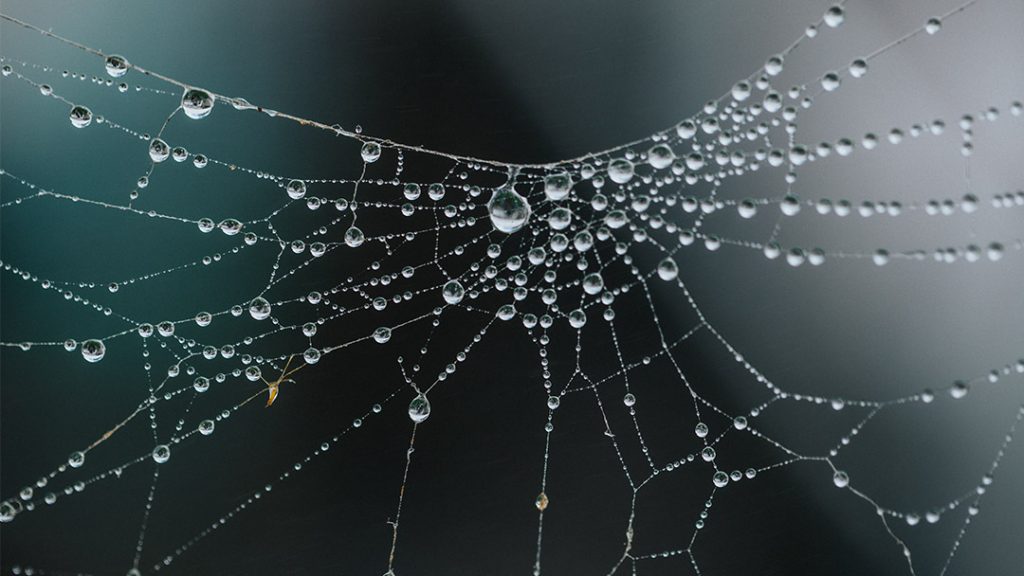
(526, 81)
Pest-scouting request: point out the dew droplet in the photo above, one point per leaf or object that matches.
(161, 454)
(508, 209)
(80, 116)
(747, 208)
(197, 104)
(858, 68)
(7, 512)
(667, 269)
(741, 91)
(93, 350)
(230, 227)
(206, 427)
(419, 408)
(159, 150)
(296, 189)
(621, 170)
(116, 66)
(382, 335)
(790, 205)
(259, 308)
(773, 67)
(834, 16)
(354, 237)
(557, 186)
(577, 318)
(76, 459)
(370, 152)
(660, 156)
(830, 81)
(959, 389)
(453, 292)
(593, 283)
(311, 355)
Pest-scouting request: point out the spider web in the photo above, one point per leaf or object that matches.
(260, 284)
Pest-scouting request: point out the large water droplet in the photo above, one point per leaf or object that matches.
(773, 67)
(296, 189)
(509, 210)
(593, 283)
(165, 328)
(620, 170)
(230, 226)
(834, 16)
(370, 152)
(667, 269)
(259, 308)
(557, 186)
(7, 511)
(76, 459)
(747, 208)
(354, 237)
(382, 335)
(197, 104)
(577, 318)
(116, 66)
(311, 355)
(453, 292)
(560, 218)
(161, 454)
(959, 389)
(93, 350)
(660, 156)
(419, 409)
(80, 116)
(159, 150)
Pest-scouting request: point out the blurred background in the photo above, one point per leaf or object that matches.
(527, 81)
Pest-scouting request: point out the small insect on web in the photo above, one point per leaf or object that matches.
(579, 276)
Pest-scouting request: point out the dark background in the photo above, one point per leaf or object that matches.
(523, 81)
